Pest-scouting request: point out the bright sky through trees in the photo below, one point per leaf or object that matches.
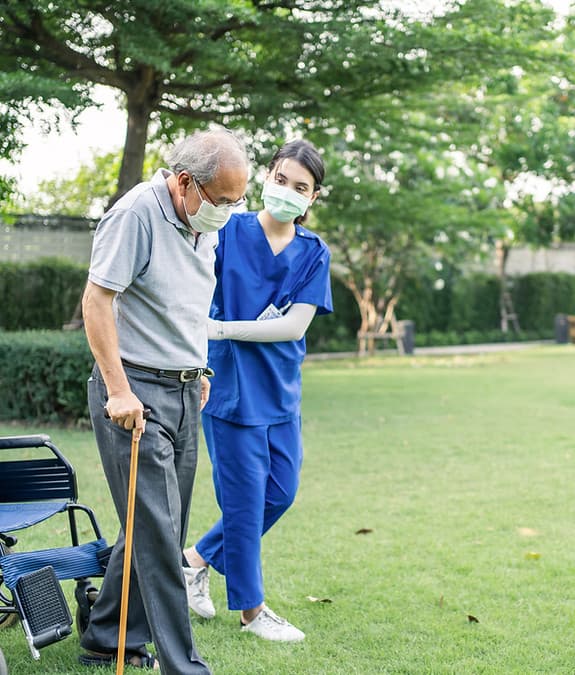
(103, 129)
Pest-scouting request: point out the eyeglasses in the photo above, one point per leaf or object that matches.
(225, 205)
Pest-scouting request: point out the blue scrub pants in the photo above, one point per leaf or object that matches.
(256, 476)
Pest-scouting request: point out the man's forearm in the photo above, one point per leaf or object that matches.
(102, 337)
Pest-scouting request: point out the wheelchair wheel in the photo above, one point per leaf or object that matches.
(3, 666)
(83, 614)
(6, 600)
(7, 619)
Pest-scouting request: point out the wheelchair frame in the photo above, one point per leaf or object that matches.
(33, 490)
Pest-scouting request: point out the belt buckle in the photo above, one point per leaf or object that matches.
(190, 375)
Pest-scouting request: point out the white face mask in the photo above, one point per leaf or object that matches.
(208, 218)
(283, 203)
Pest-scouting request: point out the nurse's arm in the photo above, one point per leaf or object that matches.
(291, 326)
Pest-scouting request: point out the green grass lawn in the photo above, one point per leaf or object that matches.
(462, 471)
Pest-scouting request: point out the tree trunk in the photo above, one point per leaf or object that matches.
(506, 310)
(140, 105)
(134, 151)
(370, 317)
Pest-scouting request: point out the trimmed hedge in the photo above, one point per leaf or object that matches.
(43, 372)
(471, 303)
(44, 295)
(336, 331)
(40, 294)
(43, 376)
(539, 296)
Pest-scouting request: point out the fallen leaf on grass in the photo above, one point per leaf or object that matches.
(312, 599)
(441, 601)
(364, 530)
(472, 619)
(532, 555)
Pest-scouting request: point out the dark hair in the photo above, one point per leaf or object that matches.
(305, 154)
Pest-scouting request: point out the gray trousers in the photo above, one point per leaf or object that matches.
(157, 609)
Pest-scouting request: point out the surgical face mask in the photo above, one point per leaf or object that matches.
(283, 203)
(208, 218)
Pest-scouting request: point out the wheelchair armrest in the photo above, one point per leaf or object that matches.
(35, 479)
(33, 441)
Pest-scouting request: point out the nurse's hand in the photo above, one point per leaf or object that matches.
(205, 391)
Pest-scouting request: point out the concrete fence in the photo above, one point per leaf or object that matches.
(28, 237)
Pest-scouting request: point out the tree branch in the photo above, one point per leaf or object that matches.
(58, 52)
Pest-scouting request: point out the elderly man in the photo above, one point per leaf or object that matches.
(145, 310)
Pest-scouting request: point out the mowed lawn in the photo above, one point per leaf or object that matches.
(434, 526)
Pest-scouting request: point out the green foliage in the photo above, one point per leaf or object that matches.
(88, 192)
(539, 296)
(436, 338)
(295, 63)
(475, 303)
(422, 116)
(39, 294)
(43, 376)
(336, 331)
(464, 311)
(10, 145)
(417, 174)
(426, 298)
(44, 294)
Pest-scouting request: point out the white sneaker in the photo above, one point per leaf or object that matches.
(270, 626)
(198, 591)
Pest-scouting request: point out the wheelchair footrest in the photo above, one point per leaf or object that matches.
(44, 611)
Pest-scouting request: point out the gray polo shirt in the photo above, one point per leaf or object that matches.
(163, 277)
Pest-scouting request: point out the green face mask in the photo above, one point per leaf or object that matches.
(283, 203)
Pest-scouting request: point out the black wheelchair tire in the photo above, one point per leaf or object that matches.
(81, 619)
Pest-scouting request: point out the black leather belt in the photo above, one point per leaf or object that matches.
(188, 375)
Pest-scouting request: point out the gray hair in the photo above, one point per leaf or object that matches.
(202, 153)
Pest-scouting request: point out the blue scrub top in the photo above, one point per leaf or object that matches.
(259, 383)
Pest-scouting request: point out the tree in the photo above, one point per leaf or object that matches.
(403, 105)
(253, 62)
(423, 182)
(536, 159)
(18, 90)
(87, 192)
(183, 64)
(399, 219)
(10, 145)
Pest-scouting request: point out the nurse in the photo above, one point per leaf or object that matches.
(273, 278)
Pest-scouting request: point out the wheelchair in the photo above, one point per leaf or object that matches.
(37, 482)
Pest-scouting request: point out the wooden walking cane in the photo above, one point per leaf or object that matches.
(128, 536)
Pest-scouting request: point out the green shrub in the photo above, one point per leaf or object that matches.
(474, 303)
(428, 306)
(43, 295)
(39, 294)
(539, 296)
(336, 332)
(43, 376)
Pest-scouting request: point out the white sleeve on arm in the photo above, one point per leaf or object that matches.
(291, 326)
